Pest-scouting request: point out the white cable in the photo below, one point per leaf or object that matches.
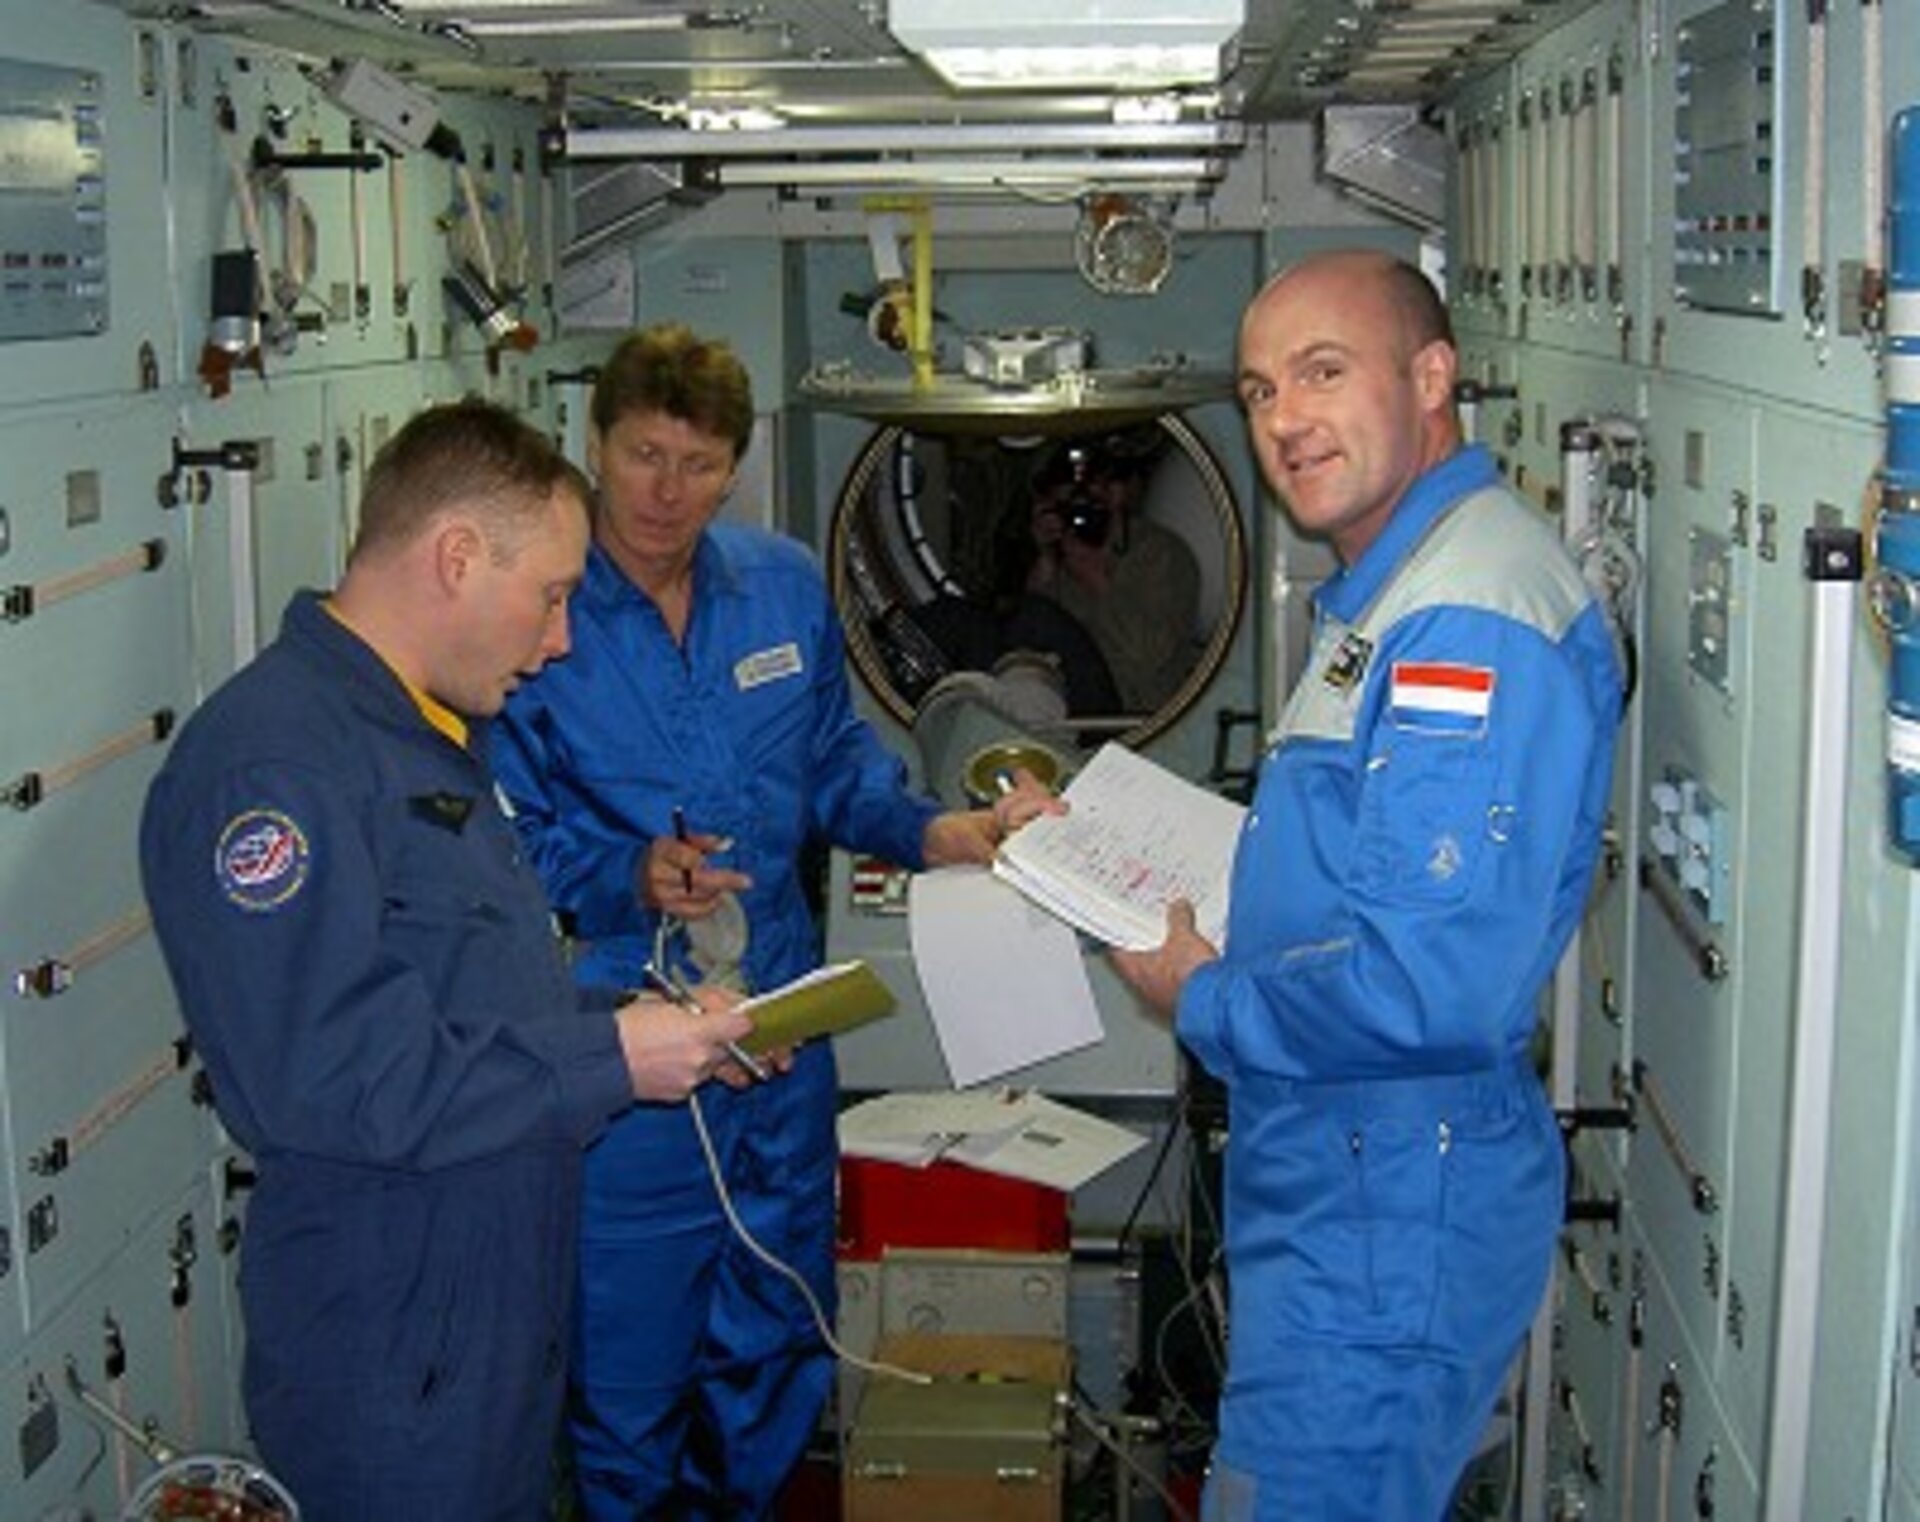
(357, 223)
(1813, 222)
(549, 235)
(1586, 187)
(397, 224)
(1469, 209)
(518, 250)
(1494, 178)
(1563, 171)
(250, 231)
(186, 1386)
(1615, 203)
(477, 221)
(1522, 166)
(787, 1270)
(1873, 130)
(122, 1449)
(1113, 1445)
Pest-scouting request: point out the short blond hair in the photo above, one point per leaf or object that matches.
(472, 455)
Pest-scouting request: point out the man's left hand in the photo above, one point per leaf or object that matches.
(1157, 976)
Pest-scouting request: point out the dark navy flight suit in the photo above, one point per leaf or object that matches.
(700, 1374)
(368, 970)
(1419, 850)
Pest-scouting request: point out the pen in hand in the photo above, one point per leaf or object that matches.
(670, 989)
(680, 834)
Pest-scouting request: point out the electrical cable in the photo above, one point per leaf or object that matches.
(478, 244)
(357, 232)
(94, 1459)
(1181, 1409)
(1872, 167)
(784, 1269)
(1085, 1412)
(1813, 222)
(1174, 1123)
(1193, 1297)
(397, 234)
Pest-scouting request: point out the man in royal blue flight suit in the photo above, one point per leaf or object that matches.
(1419, 850)
(368, 970)
(675, 768)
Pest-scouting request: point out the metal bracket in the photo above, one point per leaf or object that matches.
(1706, 952)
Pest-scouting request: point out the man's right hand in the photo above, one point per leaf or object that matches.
(672, 876)
(671, 1050)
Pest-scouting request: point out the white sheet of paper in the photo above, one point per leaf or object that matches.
(1019, 1134)
(1054, 1145)
(915, 1127)
(1004, 981)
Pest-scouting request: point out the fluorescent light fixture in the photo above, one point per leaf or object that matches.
(1462, 26)
(1146, 110)
(988, 139)
(734, 119)
(573, 26)
(469, 8)
(975, 174)
(1121, 45)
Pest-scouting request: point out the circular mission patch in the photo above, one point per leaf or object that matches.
(261, 860)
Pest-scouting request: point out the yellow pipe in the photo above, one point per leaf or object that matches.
(920, 312)
(921, 338)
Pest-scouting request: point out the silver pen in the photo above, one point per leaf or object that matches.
(671, 988)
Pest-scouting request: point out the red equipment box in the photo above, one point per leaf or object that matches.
(886, 1205)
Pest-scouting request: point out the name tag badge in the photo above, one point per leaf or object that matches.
(765, 666)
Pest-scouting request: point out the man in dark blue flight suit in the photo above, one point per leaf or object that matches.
(1419, 850)
(367, 967)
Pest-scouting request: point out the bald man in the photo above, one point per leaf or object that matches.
(1417, 855)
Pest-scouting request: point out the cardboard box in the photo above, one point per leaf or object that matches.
(943, 1290)
(985, 1440)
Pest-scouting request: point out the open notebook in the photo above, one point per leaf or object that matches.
(1135, 838)
(820, 1003)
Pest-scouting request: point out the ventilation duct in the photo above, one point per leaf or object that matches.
(607, 200)
(1388, 157)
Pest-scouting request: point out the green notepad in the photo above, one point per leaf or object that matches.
(823, 1003)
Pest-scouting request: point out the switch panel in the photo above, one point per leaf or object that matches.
(1691, 835)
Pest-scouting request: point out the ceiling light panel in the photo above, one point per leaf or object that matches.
(478, 8)
(1124, 45)
(977, 174)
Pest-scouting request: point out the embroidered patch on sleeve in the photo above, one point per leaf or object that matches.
(764, 666)
(262, 860)
(1440, 697)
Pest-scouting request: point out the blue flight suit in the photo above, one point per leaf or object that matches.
(1419, 851)
(368, 969)
(699, 1374)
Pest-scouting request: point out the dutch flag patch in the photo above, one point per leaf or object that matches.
(1441, 698)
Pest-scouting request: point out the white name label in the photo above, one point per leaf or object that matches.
(767, 666)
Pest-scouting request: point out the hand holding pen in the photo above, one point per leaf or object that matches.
(670, 987)
(675, 1043)
(673, 877)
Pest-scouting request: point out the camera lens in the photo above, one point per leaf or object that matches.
(1087, 519)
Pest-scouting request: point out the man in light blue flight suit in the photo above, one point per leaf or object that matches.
(671, 774)
(368, 969)
(1419, 850)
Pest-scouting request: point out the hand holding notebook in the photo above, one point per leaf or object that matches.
(1135, 838)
